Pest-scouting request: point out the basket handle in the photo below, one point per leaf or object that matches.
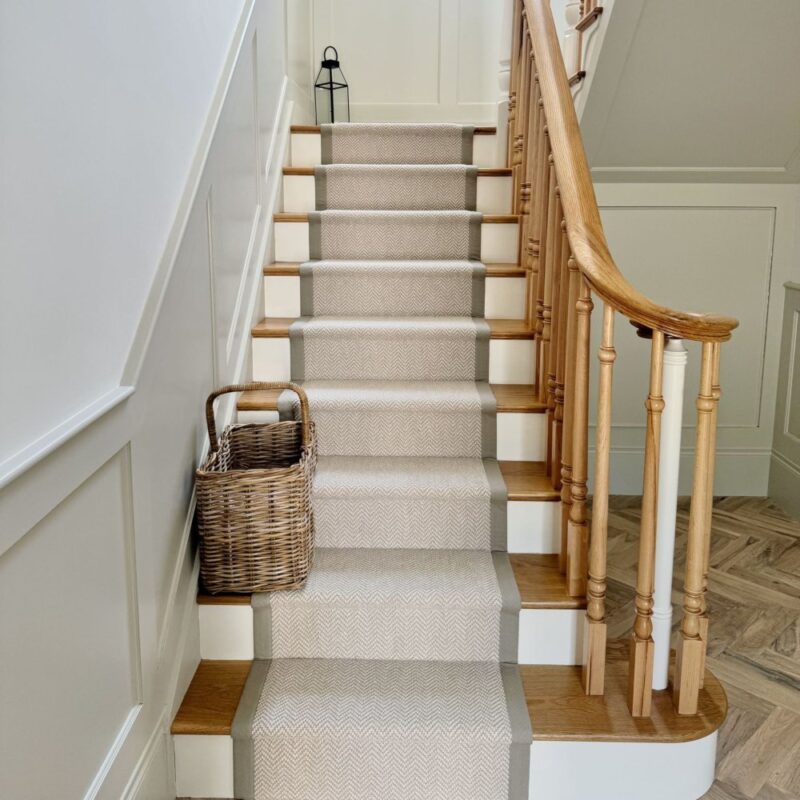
(211, 421)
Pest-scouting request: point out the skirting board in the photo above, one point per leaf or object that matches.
(608, 770)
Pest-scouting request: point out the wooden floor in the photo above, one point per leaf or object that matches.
(754, 602)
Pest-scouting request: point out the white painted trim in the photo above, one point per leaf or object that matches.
(226, 632)
(551, 636)
(113, 752)
(145, 760)
(622, 770)
(29, 456)
(203, 766)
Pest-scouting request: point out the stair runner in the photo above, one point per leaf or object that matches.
(390, 675)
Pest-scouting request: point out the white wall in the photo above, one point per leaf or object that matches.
(98, 624)
(103, 107)
(711, 248)
(415, 61)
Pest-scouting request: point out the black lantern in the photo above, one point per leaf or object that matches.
(331, 104)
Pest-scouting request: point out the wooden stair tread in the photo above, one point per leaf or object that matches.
(539, 580)
(482, 130)
(510, 397)
(278, 328)
(558, 707)
(483, 172)
(210, 702)
(491, 219)
(541, 583)
(562, 712)
(527, 480)
(492, 270)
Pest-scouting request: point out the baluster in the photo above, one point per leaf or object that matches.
(573, 280)
(556, 312)
(521, 118)
(526, 225)
(561, 348)
(716, 393)
(541, 198)
(690, 659)
(514, 81)
(675, 357)
(577, 536)
(545, 273)
(640, 676)
(534, 234)
(594, 650)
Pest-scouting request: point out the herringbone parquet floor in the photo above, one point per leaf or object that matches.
(754, 603)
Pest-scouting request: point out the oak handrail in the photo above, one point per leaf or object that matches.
(582, 216)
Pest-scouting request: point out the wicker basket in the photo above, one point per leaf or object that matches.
(254, 501)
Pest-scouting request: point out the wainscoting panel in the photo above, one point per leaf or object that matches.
(724, 249)
(421, 60)
(67, 688)
(784, 477)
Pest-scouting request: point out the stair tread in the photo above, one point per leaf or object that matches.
(481, 130)
(528, 480)
(278, 328)
(491, 219)
(557, 704)
(510, 397)
(493, 270)
(483, 172)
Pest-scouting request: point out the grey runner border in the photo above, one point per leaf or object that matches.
(297, 349)
(498, 519)
(467, 141)
(478, 289)
(482, 333)
(320, 188)
(262, 624)
(242, 731)
(519, 763)
(509, 613)
(326, 144)
(314, 236)
(488, 419)
(474, 249)
(471, 188)
(306, 289)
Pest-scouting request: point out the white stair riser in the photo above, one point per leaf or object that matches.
(493, 197)
(510, 360)
(546, 635)
(520, 437)
(504, 297)
(498, 242)
(307, 150)
(608, 770)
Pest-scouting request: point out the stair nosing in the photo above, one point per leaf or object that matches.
(493, 269)
(488, 219)
(483, 172)
(480, 130)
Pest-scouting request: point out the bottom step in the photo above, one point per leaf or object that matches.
(664, 757)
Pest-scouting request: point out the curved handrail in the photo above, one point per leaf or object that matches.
(582, 217)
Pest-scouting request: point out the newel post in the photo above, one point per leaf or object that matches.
(675, 358)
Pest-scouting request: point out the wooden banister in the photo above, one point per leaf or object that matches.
(566, 257)
(584, 228)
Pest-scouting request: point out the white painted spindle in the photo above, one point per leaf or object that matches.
(572, 38)
(675, 358)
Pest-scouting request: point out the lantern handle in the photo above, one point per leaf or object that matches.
(335, 53)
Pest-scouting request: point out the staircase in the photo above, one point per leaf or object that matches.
(427, 299)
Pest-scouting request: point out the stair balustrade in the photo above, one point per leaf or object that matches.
(567, 260)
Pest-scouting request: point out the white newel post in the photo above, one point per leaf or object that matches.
(675, 358)
(572, 37)
(504, 83)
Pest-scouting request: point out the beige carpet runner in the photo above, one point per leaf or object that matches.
(390, 675)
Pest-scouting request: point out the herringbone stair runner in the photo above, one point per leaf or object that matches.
(390, 675)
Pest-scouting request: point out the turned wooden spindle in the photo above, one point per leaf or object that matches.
(577, 535)
(556, 312)
(573, 281)
(716, 393)
(594, 650)
(534, 228)
(691, 645)
(516, 40)
(521, 119)
(547, 265)
(525, 227)
(640, 676)
(561, 349)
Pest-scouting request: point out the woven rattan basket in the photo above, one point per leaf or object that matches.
(254, 501)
